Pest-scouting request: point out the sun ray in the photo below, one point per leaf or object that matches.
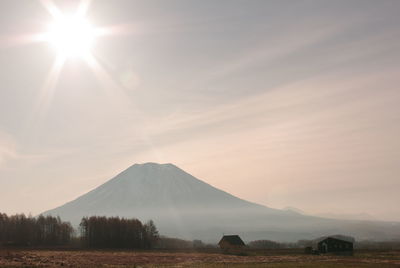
(120, 30)
(83, 8)
(22, 39)
(53, 10)
(47, 91)
(110, 86)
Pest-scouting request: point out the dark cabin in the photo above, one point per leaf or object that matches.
(231, 242)
(335, 245)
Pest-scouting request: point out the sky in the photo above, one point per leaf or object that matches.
(283, 103)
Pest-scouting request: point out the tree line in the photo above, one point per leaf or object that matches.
(20, 230)
(115, 232)
(95, 232)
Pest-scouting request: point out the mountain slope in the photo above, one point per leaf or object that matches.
(186, 207)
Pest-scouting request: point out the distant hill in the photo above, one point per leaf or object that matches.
(186, 207)
(293, 209)
(348, 216)
(338, 216)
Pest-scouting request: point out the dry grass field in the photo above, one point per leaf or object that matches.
(160, 259)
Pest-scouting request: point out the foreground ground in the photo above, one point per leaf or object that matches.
(158, 259)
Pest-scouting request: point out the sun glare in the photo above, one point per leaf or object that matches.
(71, 36)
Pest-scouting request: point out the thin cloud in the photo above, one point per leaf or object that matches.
(8, 148)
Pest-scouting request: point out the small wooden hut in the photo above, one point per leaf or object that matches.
(335, 245)
(231, 242)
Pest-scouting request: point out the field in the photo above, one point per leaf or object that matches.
(161, 259)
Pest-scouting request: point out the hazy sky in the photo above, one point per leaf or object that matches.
(284, 103)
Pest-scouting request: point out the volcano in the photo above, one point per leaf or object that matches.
(186, 207)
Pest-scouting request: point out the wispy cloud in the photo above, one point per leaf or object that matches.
(7, 148)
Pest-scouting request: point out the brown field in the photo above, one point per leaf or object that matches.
(158, 259)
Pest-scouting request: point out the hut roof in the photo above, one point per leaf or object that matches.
(233, 240)
(335, 238)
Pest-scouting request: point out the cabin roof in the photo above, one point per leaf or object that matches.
(232, 239)
(335, 238)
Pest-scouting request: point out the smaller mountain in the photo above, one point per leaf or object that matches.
(347, 216)
(294, 210)
(336, 216)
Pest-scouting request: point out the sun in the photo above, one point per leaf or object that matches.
(72, 36)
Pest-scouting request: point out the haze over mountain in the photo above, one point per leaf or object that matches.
(186, 207)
